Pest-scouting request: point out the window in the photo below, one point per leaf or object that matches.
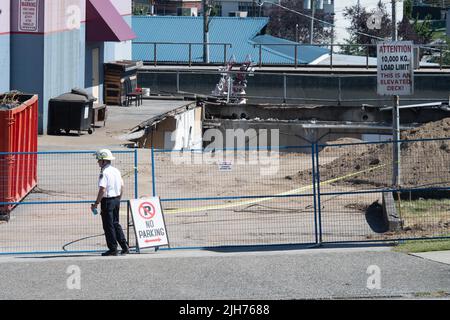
(251, 7)
(217, 9)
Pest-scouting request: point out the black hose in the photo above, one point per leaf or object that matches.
(78, 240)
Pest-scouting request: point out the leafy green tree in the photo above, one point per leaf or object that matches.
(367, 28)
(420, 32)
(446, 52)
(407, 9)
(362, 32)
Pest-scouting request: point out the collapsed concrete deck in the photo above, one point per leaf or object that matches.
(306, 124)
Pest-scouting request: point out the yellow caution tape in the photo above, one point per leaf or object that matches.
(258, 200)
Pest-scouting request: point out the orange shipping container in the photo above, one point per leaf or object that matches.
(18, 151)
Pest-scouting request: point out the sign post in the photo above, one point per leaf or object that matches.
(148, 221)
(396, 156)
(395, 77)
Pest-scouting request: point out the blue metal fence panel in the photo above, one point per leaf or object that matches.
(236, 197)
(56, 214)
(355, 177)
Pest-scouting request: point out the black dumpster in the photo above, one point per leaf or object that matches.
(71, 111)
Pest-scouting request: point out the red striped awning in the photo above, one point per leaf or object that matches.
(104, 23)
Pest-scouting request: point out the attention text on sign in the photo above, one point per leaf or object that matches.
(395, 68)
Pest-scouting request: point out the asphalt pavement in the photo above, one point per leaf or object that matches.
(324, 273)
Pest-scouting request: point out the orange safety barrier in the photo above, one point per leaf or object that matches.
(18, 133)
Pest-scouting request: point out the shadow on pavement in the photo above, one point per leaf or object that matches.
(288, 247)
(60, 256)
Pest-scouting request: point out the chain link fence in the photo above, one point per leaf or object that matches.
(55, 216)
(360, 201)
(329, 193)
(236, 197)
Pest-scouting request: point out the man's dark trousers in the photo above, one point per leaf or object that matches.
(110, 208)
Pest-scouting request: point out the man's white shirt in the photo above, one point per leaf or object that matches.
(111, 179)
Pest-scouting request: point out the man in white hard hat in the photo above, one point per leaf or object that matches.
(110, 185)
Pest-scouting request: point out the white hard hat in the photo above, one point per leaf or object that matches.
(104, 154)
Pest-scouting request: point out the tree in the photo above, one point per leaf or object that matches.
(367, 27)
(282, 23)
(363, 30)
(445, 53)
(407, 8)
(418, 32)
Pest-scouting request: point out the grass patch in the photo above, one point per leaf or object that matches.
(424, 212)
(425, 217)
(414, 246)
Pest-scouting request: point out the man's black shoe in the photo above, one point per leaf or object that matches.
(110, 253)
(125, 251)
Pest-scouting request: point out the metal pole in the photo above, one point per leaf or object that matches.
(339, 91)
(396, 174)
(296, 56)
(229, 88)
(319, 209)
(313, 154)
(332, 40)
(128, 222)
(284, 88)
(154, 53)
(205, 31)
(367, 56)
(225, 54)
(311, 31)
(418, 57)
(136, 190)
(190, 54)
(260, 56)
(331, 58)
(153, 171)
(394, 20)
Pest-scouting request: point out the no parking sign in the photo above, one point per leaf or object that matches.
(148, 221)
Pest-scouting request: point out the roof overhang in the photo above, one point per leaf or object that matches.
(104, 23)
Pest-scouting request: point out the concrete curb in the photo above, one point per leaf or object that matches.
(390, 214)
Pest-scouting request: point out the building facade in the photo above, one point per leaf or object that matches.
(177, 7)
(5, 37)
(53, 46)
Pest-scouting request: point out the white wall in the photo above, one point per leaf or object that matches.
(233, 5)
(4, 45)
(188, 134)
(64, 15)
(123, 6)
(320, 4)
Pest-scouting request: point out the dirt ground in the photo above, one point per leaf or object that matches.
(423, 163)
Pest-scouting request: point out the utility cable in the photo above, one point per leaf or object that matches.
(334, 26)
(319, 20)
(78, 240)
